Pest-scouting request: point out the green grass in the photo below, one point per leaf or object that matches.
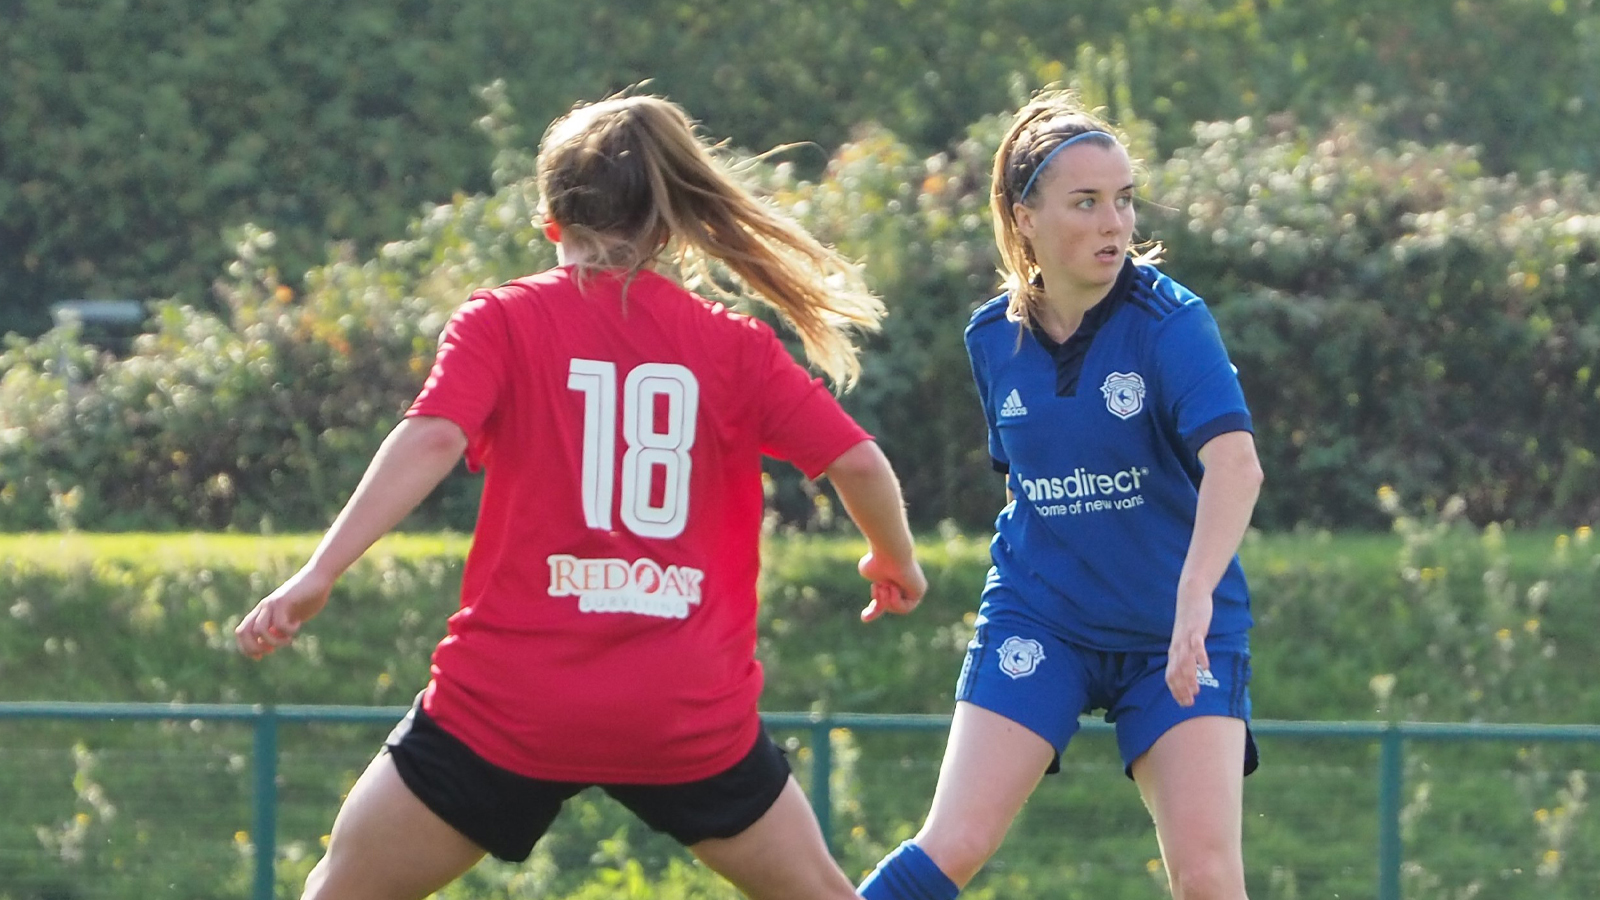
(1369, 552)
(60, 551)
(1485, 626)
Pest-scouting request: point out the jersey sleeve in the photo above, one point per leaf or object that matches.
(468, 372)
(801, 421)
(980, 378)
(1199, 386)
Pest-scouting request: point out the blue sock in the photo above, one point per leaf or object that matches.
(908, 874)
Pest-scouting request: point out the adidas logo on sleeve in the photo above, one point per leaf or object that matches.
(1012, 406)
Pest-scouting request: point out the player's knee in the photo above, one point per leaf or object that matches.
(316, 882)
(836, 887)
(1208, 877)
(961, 849)
(325, 883)
(821, 880)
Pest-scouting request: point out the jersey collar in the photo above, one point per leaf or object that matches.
(1070, 354)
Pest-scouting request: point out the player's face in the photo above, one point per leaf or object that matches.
(1082, 221)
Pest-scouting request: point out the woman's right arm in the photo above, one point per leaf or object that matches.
(414, 458)
(870, 492)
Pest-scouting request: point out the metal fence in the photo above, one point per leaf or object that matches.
(1391, 738)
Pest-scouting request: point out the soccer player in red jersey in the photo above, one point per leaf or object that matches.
(607, 628)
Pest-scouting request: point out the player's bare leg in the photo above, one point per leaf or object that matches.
(781, 857)
(1192, 781)
(991, 766)
(386, 845)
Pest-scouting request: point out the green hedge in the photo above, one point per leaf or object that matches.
(133, 137)
(1436, 621)
(1399, 317)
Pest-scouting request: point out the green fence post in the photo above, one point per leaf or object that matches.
(265, 831)
(822, 776)
(1391, 770)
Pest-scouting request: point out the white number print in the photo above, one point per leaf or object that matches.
(597, 381)
(648, 448)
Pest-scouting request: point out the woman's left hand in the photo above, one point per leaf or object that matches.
(895, 589)
(1186, 656)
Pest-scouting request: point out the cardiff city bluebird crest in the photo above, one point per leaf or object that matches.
(1124, 393)
(1020, 656)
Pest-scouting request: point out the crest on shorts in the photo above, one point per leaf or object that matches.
(1019, 657)
(1124, 392)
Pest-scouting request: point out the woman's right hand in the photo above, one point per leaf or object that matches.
(278, 617)
(895, 588)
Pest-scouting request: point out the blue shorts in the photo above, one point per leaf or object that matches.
(1022, 670)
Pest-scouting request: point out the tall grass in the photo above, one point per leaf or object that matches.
(1434, 620)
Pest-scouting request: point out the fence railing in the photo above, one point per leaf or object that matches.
(1391, 738)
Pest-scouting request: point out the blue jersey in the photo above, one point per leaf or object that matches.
(1099, 440)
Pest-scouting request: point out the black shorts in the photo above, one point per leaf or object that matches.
(506, 813)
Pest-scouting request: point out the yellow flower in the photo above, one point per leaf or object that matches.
(1541, 815)
(241, 837)
(1583, 534)
(83, 819)
(1503, 635)
(1551, 857)
(1382, 686)
(1153, 866)
(1388, 499)
(1531, 626)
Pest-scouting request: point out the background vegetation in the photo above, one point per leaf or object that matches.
(1391, 211)
(133, 136)
(1403, 262)
(1478, 625)
(1398, 316)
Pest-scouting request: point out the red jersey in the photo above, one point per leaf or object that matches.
(607, 628)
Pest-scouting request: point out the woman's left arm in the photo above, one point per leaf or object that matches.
(1228, 492)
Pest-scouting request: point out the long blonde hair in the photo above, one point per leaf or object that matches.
(627, 180)
(1039, 128)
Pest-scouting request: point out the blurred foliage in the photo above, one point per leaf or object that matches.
(1398, 316)
(1437, 621)
(265, 418)
(133, 137)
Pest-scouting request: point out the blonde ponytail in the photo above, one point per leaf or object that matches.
(627, 179)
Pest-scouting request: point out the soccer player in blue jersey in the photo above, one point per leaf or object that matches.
(1131, 475)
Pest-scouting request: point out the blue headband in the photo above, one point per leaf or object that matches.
(1052, 155)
